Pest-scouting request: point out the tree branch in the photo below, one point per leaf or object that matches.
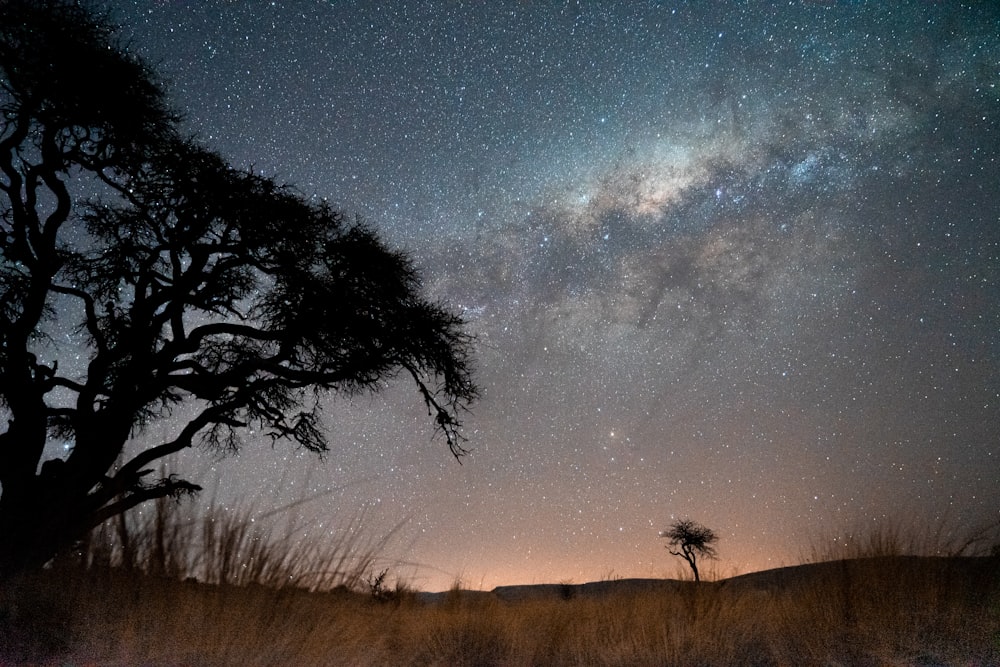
(170, 486)
(446, 421)
(90, 313)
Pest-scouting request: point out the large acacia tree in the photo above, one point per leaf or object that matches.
(141, 277)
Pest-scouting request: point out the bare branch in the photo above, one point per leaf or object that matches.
(90, 312)
(167, 487)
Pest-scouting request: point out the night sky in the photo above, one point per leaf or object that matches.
(732, 261)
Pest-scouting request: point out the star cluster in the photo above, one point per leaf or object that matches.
(734, 262)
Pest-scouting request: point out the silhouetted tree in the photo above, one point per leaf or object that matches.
(693, 540)
(141, 277)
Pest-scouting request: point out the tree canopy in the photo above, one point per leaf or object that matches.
(140, 273)
(693, 540)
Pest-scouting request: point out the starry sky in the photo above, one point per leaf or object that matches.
(732, 261)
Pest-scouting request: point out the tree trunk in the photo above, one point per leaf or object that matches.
(25, 544)
(37, 522)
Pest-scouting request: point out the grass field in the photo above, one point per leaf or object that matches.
(878, 607)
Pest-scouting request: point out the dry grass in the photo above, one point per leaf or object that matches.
(876, 609)
(232, 547)
(895, 537)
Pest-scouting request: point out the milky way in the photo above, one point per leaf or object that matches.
(729, 263)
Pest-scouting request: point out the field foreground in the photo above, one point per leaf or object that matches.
(901, 610)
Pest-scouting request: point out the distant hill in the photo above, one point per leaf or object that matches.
(963, 570)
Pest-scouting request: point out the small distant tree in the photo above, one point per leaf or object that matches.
(689, 539)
